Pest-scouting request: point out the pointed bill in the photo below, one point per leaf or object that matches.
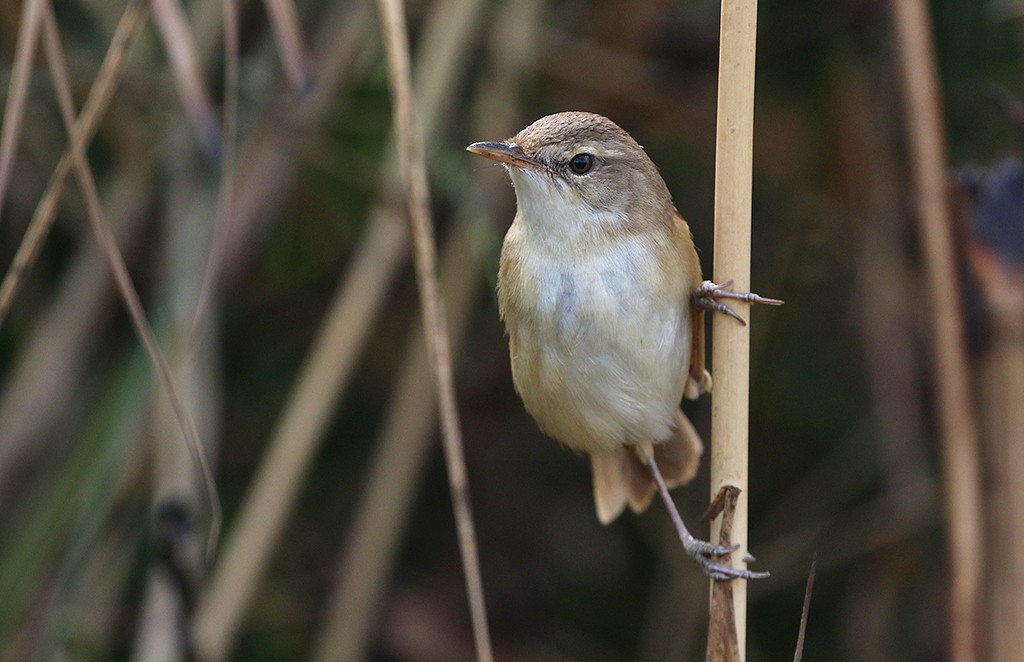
(504, 152)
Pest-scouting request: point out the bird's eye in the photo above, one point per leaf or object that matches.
(581, 164)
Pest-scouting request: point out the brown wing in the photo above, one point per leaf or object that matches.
(698, 379)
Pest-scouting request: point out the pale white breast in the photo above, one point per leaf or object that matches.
(599, 341)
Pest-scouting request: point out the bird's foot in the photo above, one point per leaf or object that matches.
(704, 553)
(700, 551)
(708, 293)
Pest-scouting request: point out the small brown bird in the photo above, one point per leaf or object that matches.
(600, 290)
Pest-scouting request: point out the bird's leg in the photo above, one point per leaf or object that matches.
(699, 550)
(707, 296)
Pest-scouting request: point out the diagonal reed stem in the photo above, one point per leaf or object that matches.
(410, 149)
(107, 241)
(284, 19)
(172, 24)
(360, 296)
(95, 107)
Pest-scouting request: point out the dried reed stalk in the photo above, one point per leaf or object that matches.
(414, 170)
(386, 500)
(229, 154)
(730, 357)
(1001, 392)
(169, 19)
(268, 166)
(805, 611)
(100, 94)
(955, 407)
(176, 564)
(284, 20)
(105, 236)
(52, 364)
(267, 163)
(998, 281)
(275, 488)
(401, 453)
(361, 295)
(17, 91)
(723, 639)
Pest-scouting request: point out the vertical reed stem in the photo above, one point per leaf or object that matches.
(730, 355)
(955, 408)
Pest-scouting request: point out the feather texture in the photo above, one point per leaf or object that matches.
(594, 287)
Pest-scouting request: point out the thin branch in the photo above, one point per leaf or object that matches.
(95, 107)
(226, 198)
(106, 239)
(731, 341)
(955, 406)
(284, 19)
(169, 19)
(410, 149)
(17, 91)
(401, 449)
(805, 611)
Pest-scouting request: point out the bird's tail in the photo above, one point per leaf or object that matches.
(620, 477)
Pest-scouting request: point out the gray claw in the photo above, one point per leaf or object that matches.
(724, 573)
(707, 294)
(702, 552)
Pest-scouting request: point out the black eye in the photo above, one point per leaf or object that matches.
(581, 163)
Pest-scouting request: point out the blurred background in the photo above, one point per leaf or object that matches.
(271, 255)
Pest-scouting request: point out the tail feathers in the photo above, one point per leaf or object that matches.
(621, 478)
(611, 483)
(679, 457)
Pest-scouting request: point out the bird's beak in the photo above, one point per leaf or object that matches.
(504, 152)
